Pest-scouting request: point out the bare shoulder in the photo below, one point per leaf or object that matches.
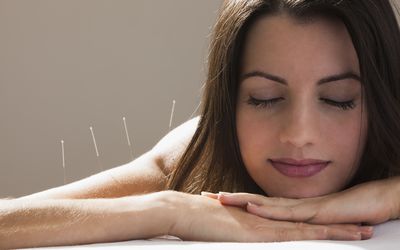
(145, 174)
(169, 149)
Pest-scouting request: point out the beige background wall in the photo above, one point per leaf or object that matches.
(66, 65)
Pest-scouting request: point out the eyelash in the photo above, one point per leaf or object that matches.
(269, 103)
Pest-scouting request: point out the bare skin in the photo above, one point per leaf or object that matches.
(371, 203)
(145, 174)
(109, 206)
(131, 201)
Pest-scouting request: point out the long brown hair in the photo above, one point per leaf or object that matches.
(212, 160)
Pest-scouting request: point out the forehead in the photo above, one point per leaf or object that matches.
(285, 45)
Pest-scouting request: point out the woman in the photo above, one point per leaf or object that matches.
(301, 101)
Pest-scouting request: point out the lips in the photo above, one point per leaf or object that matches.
(298, 168)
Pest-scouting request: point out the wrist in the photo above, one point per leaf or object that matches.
(173, 203)
(145, 216)
(166, 210)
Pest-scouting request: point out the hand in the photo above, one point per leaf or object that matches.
(202, 219)
(372, 203)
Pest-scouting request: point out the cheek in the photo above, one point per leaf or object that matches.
(343, 139)
(256, 135)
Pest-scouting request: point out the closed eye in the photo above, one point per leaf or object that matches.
(346, 105)
(259, 103)
(263, 103)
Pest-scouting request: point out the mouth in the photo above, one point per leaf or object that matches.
(298, 168)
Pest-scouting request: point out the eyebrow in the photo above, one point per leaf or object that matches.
(331, 78)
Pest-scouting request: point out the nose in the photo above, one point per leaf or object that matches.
(301, 127)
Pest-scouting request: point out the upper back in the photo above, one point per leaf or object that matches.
(145, 174)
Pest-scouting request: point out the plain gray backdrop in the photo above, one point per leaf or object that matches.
(66, 65)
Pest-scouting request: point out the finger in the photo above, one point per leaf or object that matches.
(335, 231)
(310, 213)
(302, 231)
(320, 233)
(366, 231)
(338, 231)
(283, 213)
(239, 199)
(208, 194)
(244, 198)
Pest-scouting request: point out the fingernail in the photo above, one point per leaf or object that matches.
(252, 204)
(366, 235)
(205, 193)
(224, 193)
(356, 236)
(367, 229)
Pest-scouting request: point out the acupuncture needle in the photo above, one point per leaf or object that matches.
(95, 147)
(99, 162)
(63, 161)
(127, 138)
(172, 114)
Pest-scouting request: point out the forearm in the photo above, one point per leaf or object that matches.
(69, 222)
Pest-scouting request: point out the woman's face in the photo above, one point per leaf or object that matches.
(300, 123)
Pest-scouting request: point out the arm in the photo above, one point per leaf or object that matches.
(371, 202)
(27, 223)
(56, 217)
(33, 223)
